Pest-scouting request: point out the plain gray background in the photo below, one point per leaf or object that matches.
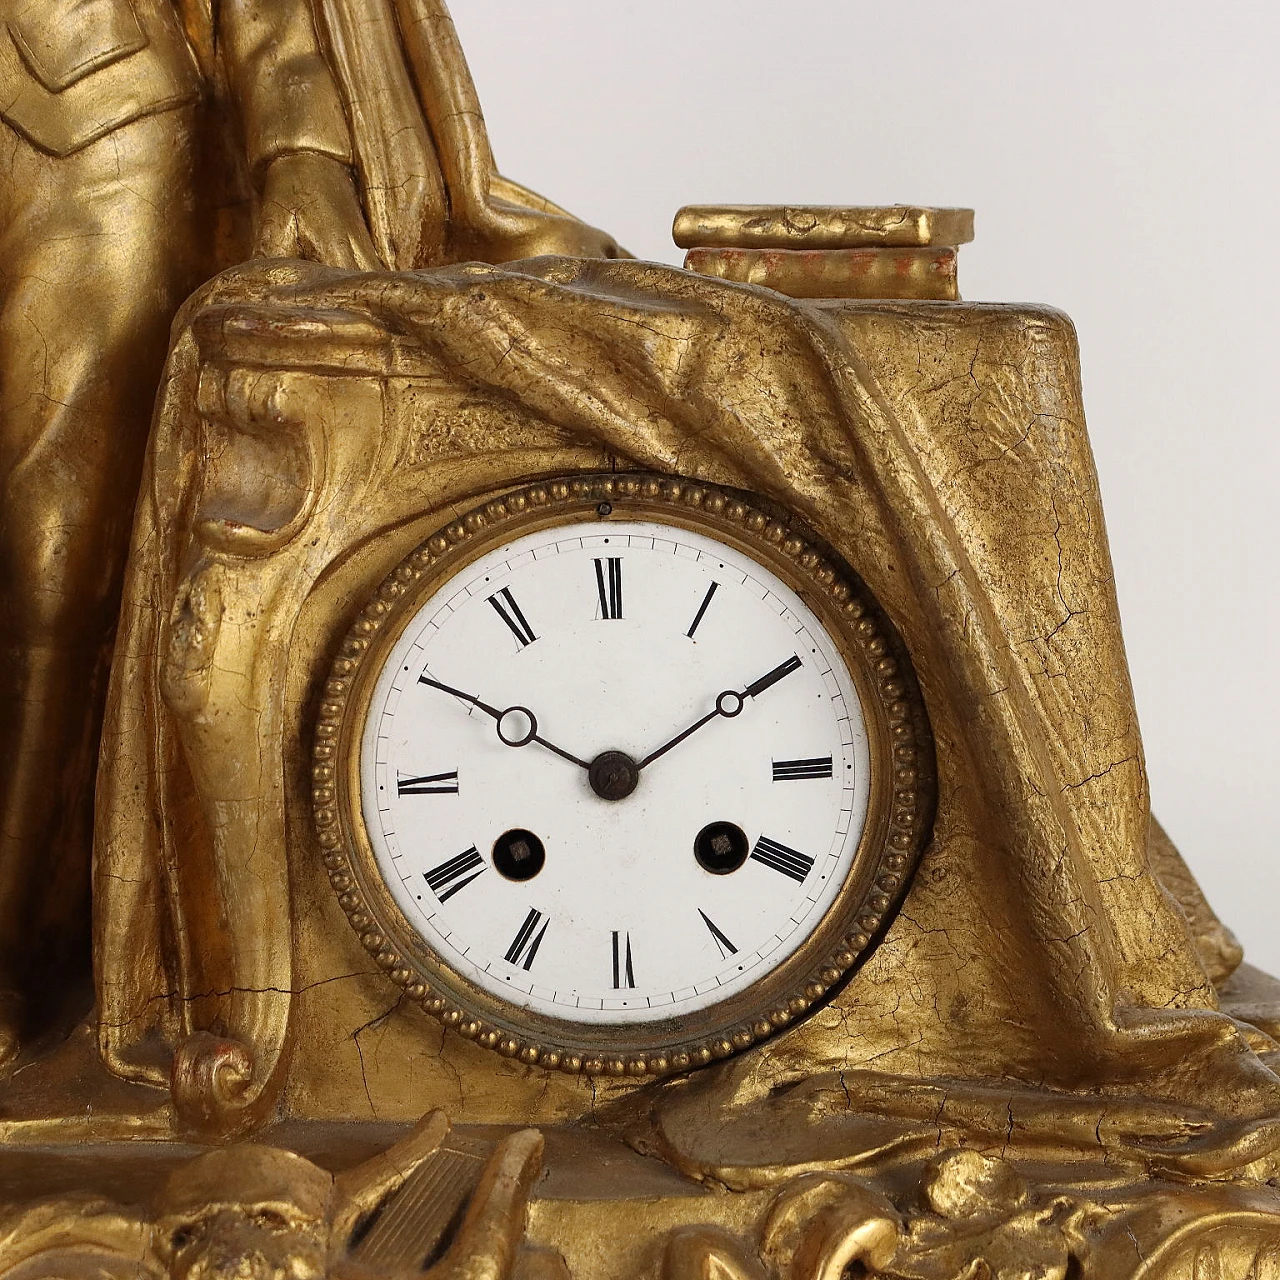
(1121, 157)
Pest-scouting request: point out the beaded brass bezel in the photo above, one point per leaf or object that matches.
(899, 818)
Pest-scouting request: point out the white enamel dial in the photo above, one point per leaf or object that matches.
(539, 880)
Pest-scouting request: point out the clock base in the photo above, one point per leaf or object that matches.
(582, 1203)
(89, 1165)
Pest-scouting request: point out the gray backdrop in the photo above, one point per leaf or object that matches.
(1121, 158)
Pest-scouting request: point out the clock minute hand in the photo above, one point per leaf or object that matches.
(520, 740)
(466, 697)
(728, 705)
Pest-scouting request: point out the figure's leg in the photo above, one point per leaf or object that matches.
(92, 265)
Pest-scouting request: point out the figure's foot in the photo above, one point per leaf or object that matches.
(12, 1006)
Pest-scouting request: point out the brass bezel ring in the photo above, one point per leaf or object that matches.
(899, 818)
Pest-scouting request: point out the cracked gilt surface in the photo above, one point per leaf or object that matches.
(940, 448)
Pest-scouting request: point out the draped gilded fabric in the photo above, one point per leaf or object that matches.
(940, 449)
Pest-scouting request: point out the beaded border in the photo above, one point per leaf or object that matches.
(910, 807)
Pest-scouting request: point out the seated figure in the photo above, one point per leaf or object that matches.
(126, 186)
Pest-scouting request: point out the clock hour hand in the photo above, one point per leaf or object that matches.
(728, 704)
(514, 734)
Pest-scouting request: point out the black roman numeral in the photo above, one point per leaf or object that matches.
(793, 770)
(504, 604)
(431, 784)
(609, 585)
(726, 947)
(525, 946)
(779, 858)
(623, 974)
(702, 608)
(446, 879)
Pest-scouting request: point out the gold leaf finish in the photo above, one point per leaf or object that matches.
(1027, 1048)
(820, 227)
(835, 273)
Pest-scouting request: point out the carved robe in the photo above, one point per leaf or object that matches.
(117, 174)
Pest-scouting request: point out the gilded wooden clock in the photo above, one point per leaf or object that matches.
(631, 773)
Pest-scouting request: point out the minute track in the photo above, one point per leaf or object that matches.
(789, 684)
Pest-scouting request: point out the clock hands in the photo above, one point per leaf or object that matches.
(728, 705)
(466, 697)
(510, 730)
(613, 774)
(770, 678)
(696, 725)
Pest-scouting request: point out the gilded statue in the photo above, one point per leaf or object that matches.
(297, 382)
(108, 139)
(136, 132)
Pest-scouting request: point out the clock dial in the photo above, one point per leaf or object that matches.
(739, 785)
(627, 775)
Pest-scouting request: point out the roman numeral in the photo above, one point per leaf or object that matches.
(525, 946)
(778, 857)
(504, 604)
(623, 974)
(726, 947)
(702, 608)
(446, 879)
(609, 584)
(431, 784)
(793, 770)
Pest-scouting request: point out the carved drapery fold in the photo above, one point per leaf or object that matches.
(1036, 942)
